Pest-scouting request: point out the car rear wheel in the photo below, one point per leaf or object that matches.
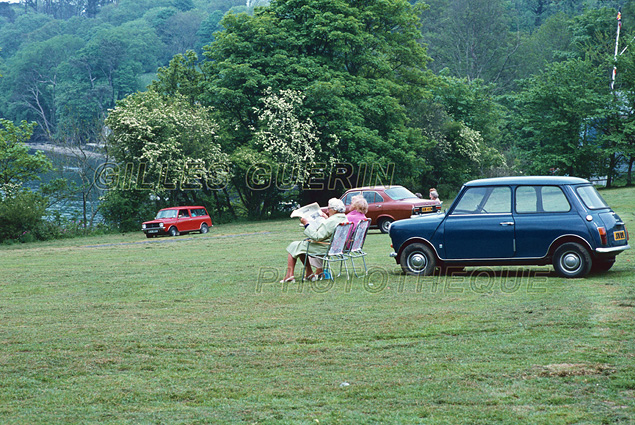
(173, 231)
(204, 228)
(418, 259)
(384, 224)
(571, 260)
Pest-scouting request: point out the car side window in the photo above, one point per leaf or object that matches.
(370, 197)
(199, 212)
(348, 198)
(526, 199)
(554, 200)
(499, 201)
(535, 199)
(183, 213)
(485, 200)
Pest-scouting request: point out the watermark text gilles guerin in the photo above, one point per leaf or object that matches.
(259, 176)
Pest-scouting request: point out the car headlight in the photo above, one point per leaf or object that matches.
(143, 226)
(161, 225)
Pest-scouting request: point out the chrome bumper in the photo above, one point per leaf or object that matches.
(613, 249)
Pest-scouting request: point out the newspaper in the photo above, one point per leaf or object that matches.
(312, 213)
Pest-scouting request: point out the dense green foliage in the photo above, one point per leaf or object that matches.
(294, 92)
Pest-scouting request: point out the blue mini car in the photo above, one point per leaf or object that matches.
(515, 221)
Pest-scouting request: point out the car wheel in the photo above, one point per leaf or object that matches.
(204, 228)
(602, 265)
(418, 259)
(149, 235)
(384, 224)
(173, 231)
(571, 260)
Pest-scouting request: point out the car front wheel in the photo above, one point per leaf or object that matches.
(418, 259)
(571, 260)
(384, 224)
(173, 231)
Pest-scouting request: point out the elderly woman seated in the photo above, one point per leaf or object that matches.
(359, 208)
(320, 236)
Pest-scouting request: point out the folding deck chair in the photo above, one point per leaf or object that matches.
(335, 252)
(356, 245)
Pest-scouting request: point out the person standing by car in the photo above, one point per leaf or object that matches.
(434, 195)
(320, 236)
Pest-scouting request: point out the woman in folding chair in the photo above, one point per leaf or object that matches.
(320, 236)
(359, 208)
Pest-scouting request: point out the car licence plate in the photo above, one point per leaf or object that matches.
(620, 235)
(424, 209)
(153, 231)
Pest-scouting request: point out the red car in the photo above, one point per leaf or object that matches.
(176, 220)
(390, 203)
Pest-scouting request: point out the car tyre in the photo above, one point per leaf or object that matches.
(418, 259)
(384, 224)
(173, 231)
(571, 260)
(149, 235)
(204, 228)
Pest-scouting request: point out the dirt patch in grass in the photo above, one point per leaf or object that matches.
(572, 369)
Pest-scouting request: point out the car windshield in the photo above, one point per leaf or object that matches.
(167, 214)
(591, 198)
(397, 193)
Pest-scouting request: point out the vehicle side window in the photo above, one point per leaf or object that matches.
(526, 199)
(348, 197)
(183, 213)
(535, 199)
(591, 198)
(370, 197)
(485, 200)
(199, 212)
(554, 200)
(499, 201)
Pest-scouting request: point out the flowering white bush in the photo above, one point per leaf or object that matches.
(168, 135)
(281, 133)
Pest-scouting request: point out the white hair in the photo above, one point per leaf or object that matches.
(337, 205)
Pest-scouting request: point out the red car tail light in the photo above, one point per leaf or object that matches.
(603, 237)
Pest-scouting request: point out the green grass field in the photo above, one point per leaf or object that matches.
(187, 330)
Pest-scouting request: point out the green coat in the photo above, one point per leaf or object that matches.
(320, 236)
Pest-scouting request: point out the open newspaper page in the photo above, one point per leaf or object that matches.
(311, 212)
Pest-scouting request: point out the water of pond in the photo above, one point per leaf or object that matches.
(69, 167)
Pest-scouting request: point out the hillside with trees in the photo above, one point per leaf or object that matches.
(242, 106)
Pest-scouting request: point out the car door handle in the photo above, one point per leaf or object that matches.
(507, 223)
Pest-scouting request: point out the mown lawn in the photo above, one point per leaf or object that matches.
(120, 329)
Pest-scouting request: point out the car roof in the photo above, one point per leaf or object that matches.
(178, 208)
(521, 180)
(378, 187)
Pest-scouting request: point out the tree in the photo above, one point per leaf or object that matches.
(32, 83)
(358, 64)
(21, 210)
(17, 166)
(557, 113)
(165, 148)
(472, 38)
